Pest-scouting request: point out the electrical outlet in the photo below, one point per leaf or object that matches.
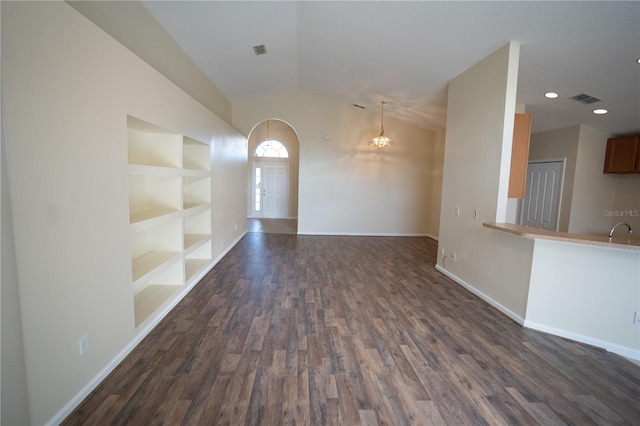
(457, 211)
(83, 344)
(453, 255)
(442, 251)
(475, 214)
(636, 318)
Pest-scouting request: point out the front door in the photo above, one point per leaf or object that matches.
(541, 206)
(271, 190)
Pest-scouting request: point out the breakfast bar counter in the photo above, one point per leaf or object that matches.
(543, 234)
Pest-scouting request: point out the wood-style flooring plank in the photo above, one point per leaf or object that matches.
(320, 330)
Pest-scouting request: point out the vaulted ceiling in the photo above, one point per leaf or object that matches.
(406, 52)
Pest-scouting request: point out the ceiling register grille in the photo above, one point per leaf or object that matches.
(260, 50)
(585, 99)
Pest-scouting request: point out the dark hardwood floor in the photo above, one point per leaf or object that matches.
(311, 330)
(273, 226)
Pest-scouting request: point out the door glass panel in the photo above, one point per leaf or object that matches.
(258, 199)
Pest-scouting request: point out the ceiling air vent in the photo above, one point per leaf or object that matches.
(260, 50)
(585, 99)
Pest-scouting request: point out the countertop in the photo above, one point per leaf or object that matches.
(542, 234)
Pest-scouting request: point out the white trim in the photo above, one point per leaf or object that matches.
(626, 352)
(141, 334)
(284, 218)
(515, 317)
(631, 353)
(373, 234)
(255, 214)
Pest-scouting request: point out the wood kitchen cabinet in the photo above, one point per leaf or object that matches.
(623, 155)
(519, 155)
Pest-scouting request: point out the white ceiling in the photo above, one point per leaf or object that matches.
(405, 52)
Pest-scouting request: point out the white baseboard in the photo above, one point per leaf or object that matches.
(515, 317)
(89, 387)
(364, 234)
(630, 353)
(260, 217)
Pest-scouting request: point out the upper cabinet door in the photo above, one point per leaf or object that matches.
(519, 155)
(623, 155)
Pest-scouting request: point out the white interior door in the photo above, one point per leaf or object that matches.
(275, 190)
(541, 206)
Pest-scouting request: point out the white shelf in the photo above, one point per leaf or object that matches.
(152, 145)
(195, 208)
(148, 215)
(144, 170)
(169, 212)
(148, 265)
(196, 190)
(197, 155)
(150, 299)
(194, 266)
(199, 223)
(193, 241)
(190, 172)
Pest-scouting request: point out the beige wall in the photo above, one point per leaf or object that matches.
(593, 191)
(626, 206)
(346, 186)
(67, 88)
(15, 401)
(131, 24)
(282, 132)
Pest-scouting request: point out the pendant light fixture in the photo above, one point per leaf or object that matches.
(381, 141)
(268, 140)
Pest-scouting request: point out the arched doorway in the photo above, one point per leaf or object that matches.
(272, 193)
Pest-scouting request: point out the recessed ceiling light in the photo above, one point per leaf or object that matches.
(551, 95)
(600, 111)
(638, 61)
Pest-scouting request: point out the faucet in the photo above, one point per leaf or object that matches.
(618, 224)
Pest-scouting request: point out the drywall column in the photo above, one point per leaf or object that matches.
(480, 115)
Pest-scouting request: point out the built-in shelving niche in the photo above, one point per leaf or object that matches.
(170, 213)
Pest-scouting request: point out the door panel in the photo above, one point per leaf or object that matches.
(275, 190)
(541, 204)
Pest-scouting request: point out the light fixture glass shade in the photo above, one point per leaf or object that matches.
(381, 141)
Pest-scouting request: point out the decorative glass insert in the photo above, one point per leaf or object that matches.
(271, 148)
(258, 190)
